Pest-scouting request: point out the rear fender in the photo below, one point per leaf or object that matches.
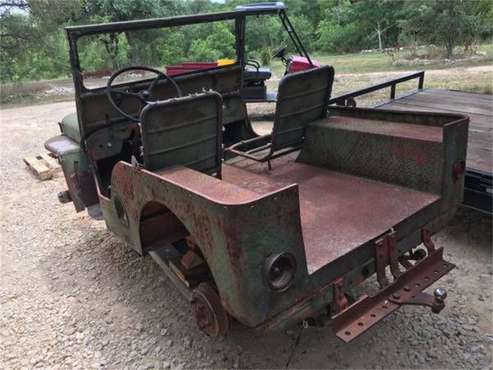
(236, 230)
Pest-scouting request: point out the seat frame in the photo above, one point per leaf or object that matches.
(275, 151)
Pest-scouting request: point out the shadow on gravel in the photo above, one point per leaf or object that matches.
(126, 310)
(473, 226)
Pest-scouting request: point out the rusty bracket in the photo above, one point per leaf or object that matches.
(426, 240)
(386, 254)
(340, 302)
(407, 289)
(458, 170)
(418, 299)
(416, 255)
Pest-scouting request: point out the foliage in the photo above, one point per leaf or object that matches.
(33, 45)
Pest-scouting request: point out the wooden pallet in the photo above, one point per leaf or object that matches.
(43, 166)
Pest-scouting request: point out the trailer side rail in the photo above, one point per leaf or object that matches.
(348, 98)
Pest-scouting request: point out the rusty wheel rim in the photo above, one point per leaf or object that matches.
(210, 315)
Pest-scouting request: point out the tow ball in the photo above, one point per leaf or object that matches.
(435, 301)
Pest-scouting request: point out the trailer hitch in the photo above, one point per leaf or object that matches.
(406, 289)
(436, 302)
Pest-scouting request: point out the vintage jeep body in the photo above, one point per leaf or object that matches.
(267, 230)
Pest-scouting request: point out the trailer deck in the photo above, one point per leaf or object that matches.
(479, 108)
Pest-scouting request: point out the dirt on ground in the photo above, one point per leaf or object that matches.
(72, 295)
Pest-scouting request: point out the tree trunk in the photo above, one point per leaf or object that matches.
(379, 33)
(450, 49)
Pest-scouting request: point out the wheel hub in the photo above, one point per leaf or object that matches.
(210, 315)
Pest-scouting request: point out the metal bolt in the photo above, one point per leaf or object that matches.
(440, 294)
(109, 145)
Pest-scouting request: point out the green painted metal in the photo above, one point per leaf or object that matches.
(69, 126)
(236, 230)
(184, 131)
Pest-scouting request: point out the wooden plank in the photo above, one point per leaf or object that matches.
(469, 99)
(477, 120)
(39, 168)
(461, 94)
(455, 104)
(479, 158)
(52, 163)
(42, 166)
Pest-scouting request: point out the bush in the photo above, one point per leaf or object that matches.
(266, 56)
(339, 38)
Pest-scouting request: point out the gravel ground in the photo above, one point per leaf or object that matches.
(74, 296)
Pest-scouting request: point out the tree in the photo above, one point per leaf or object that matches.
(218, 44)
(447, 23)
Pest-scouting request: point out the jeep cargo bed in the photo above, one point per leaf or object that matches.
(339, 212)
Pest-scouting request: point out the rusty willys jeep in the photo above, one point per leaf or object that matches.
(263, 230)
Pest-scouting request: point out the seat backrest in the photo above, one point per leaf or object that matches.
(302, 98)
(184, 131)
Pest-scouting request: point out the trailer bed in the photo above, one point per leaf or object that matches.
(479, 108)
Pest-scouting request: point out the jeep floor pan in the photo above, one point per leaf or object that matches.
(339, 212)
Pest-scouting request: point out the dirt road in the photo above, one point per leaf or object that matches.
(74, 296)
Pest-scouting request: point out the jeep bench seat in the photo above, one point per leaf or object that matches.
(256, 74)
(70, 127)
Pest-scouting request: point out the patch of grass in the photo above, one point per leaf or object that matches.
(379, 62)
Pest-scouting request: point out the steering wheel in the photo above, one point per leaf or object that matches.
(144, 96)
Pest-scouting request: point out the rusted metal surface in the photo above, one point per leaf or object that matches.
(479, 109)
(367, 311)
(225, 221)
(339, 300)
(381, 258)
(210, 315)
(386, 254)
(328, 202)
(426, 240)
(417, 160)
(381, 127)
(326, 220)
(418, 299)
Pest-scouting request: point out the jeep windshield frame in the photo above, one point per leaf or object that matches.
(238, 16)
(74, 33)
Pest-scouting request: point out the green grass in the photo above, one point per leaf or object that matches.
(380, 62)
